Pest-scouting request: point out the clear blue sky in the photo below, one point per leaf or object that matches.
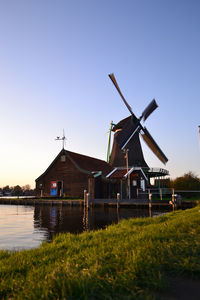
(55, 57)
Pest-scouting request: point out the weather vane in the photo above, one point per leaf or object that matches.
(63, 138)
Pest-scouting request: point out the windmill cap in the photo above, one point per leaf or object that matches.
(121, 124)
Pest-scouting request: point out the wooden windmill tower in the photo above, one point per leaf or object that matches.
(126, 137)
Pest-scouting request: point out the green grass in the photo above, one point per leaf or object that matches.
(184, 198)
(192, 198)
(130, 260)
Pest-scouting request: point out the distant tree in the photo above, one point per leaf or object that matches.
(27, 191)
(188, 181)
(26, 187)
(17, 191)
(6, 189)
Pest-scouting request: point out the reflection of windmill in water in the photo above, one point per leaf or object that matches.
(126, 141)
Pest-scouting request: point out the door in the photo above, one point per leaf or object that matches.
(59, 188)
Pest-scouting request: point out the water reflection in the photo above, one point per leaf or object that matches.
(27, 226)
(17, 228)
(56, 219)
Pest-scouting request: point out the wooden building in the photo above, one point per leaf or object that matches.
(71, 173)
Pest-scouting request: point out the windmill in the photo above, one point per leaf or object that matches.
(126, 136)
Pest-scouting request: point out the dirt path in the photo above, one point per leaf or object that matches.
(183, 289)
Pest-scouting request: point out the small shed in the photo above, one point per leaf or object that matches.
(68, 175)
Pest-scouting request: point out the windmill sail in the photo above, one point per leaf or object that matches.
(153, 145)
(127, 136)
(149, 109)
(112, 77)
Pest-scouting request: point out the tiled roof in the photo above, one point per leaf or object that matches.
(120, 173)
(90, 163)
(85, 164)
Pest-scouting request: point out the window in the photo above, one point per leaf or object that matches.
(63, 158)
(134, 182)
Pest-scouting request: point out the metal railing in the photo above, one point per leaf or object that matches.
(166, 193)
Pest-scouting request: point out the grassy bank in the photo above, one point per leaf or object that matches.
(131, 260)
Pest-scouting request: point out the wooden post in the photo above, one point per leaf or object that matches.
(150, 199)
(121, 187)
(88, 201)
(118, 200)
(173, 199)
(160, 193)
(149, 211)
(137, 191)
(85, 197)
(129, 187)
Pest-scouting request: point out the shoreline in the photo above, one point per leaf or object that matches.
(134, 259)
(133, 203)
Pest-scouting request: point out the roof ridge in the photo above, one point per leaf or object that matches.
(86, 156)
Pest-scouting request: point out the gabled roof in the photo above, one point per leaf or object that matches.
(117, 173)
(85, 164)
(90, 164)
(120, 173)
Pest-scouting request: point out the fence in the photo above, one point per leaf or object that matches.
(166, 194)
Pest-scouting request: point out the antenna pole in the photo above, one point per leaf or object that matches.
(63, 138)
(127, 160)
(129, 189)
(109, 140)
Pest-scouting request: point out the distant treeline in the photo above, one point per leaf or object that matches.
(188, 181)
(187, 185)
(17, 190)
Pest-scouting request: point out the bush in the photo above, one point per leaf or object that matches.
(189, 182)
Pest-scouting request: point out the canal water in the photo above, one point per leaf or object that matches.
(25, 227)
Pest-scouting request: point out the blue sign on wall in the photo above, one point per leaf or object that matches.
(53, 192)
